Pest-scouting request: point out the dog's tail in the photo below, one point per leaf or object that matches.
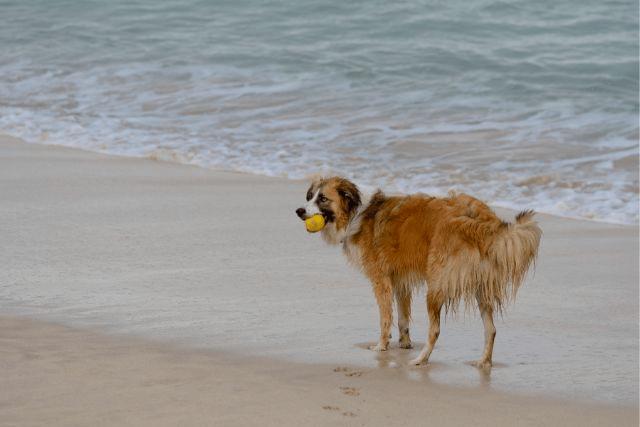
(514, 250)
(492, 266)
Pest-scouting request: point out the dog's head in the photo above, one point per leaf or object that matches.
(336, 199)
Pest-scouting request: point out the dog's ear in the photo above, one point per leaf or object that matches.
(350, 195)
(316, 178)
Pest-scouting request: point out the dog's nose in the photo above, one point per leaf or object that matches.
(301, 212)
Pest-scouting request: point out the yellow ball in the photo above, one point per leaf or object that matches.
(314, 223)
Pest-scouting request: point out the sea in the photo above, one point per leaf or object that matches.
(525, 104)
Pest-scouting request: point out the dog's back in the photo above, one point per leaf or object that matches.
(453, 243)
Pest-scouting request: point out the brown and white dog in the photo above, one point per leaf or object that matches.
(456, 245)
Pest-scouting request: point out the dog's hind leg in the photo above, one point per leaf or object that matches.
(434, 307)
(403, 304)
(384, 295)
(486, 311)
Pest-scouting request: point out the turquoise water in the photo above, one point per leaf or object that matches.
(524, 104)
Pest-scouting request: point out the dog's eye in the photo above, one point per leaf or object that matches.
(309, 195)
(322, 198)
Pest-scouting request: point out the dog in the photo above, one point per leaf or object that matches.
(456, 245)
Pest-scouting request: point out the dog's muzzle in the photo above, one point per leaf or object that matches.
(302, 213)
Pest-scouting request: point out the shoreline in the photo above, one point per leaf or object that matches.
(177, 159)
(155, 252)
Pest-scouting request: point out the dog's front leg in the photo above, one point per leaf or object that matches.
(384, 295)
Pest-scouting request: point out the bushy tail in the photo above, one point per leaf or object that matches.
(513, 251)
(491, 270)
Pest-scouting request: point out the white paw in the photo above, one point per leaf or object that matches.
(482, 364)
(416, 362)
(379, 347)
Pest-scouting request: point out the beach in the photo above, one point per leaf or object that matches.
(142, 292)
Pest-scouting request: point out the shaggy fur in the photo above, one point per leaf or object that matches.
(456, 245)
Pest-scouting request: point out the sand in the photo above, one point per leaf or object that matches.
(136, 292)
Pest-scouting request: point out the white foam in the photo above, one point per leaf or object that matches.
(268, 123)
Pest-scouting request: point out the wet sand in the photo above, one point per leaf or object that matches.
(197, 295)
(58, 376)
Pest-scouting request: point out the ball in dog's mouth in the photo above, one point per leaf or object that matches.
(314, 223)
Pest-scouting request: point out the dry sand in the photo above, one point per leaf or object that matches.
(147, 260)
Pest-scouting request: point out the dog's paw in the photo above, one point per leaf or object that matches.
(482, 364)
(416, 362)
(379, 347)
(405, 345)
